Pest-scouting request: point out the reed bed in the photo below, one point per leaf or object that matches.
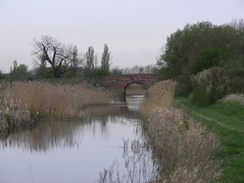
(159, 95)
(185, 150)
(13, 115)
(55, 100)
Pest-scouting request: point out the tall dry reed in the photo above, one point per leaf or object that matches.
(159, 95)
(185, 150)
(13, 114)
(55, 100)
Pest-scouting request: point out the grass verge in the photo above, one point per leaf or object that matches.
(226, 119)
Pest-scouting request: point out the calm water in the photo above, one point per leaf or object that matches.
(108, 139)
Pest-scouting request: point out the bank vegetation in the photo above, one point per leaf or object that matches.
(185, 149)
(22, 102)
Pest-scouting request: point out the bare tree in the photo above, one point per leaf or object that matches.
(105, 60)
(49, 50)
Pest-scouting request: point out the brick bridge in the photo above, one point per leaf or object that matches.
(121, 82)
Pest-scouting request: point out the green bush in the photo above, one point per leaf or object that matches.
(237, 84)
(236, 79)
(199, 95)
(20, 72)
(97, 73)
(183, 87)
(46, 73)
(210, 85)
(209, 58)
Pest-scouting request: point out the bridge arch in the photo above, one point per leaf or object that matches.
(134, 82)
(121, 82)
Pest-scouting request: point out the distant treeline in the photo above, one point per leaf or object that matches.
(207, 60)
(53, 59)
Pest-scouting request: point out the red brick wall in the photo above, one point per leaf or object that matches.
(121, 81)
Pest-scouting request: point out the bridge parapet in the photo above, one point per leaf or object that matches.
(120, 82)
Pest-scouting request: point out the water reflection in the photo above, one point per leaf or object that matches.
(134, 102)
(67, 134)
(72, 151)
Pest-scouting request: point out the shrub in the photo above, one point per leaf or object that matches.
(44, 73)
(236, 75)
(19, 72)
(183, 87)
(210, 85)
(97, 73)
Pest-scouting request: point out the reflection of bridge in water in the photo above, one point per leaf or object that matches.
(129, 108)
(121, 82)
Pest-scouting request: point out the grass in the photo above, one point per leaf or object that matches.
(226, 120)
(185, 150)
(231, 109)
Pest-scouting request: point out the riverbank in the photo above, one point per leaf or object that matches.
(185, 150)
(226, 119)
(23, 103)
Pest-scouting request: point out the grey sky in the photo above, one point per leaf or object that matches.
(135, 30)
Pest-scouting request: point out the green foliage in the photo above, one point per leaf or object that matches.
(44, 73)
(184, 47)
(97, 73)
(237, 84)
(116, 71)
(183, 87)
(20, 72)
(72, 72)
(236, 74)
(200, 46)
(209, 58)
(200, 96)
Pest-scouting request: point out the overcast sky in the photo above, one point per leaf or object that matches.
(135, 30)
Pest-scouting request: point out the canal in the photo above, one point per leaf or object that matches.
(107, 145)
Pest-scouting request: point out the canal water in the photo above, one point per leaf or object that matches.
(107, 145)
